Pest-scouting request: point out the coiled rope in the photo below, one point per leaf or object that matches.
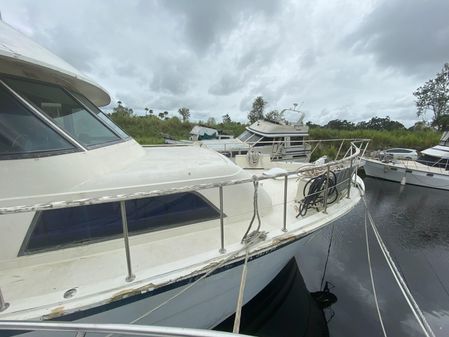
(314, 195)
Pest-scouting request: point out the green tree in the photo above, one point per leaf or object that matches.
(275, 116)
(340, 125)
(211, 121)
(185, 113)
(121, 110)
(434, 96)
(379, 123)
(226, 119)
(256, 112)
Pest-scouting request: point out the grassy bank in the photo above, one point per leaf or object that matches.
(151, 130)
(419, 140)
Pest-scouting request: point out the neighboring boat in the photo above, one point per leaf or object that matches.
(96, 228)
(430, 170)
(277, 141)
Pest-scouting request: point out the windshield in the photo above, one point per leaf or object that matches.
(65, 112)
(22, 134)
(100, 114)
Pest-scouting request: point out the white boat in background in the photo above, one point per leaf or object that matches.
(275, 141)
(430, 170)
(97, 229)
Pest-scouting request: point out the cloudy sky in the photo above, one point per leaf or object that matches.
(346, 59)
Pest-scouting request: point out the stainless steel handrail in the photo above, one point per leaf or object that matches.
(145, 194)
(351, 154)
(122, 329)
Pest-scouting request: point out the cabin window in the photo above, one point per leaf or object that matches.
(245, 135)
(100, 114)
(22, 134)
(263, 141)
(59, 228)
(65, 112)
(296, 141)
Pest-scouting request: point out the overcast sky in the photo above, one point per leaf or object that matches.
(347, 59)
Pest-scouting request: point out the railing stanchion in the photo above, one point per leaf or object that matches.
(350, 179)
(326, 192)
(284, 228)
(339, 149)
(222, 248)
(364, 150)
(130, 276)
(3, 304)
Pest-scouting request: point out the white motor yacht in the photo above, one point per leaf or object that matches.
(97, 229)
(264, 142)
(431, 169)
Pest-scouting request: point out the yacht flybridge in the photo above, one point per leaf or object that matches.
(96, 228)
(264, 142)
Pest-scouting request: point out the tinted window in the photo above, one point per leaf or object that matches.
(245, 135)
(101, 115)
(296, 141)
(69, 226)
(22, 133)
(65, 112)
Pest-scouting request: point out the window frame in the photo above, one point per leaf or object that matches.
(23, 247)
(39, 111)
(42, 118)
(96, 115)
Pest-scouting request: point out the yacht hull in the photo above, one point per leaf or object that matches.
(408, 175)
(204, 305)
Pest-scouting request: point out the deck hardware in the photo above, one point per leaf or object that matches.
(284, 228)
(326, 191)
(70, 293)
(222, 248)
(130, 277)
(350, 178)
(3, 304)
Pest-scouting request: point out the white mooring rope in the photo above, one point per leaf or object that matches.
(421, 319)
(371, 275)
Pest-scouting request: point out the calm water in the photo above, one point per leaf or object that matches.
(414, 223)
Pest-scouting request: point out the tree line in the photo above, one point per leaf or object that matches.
(432, 96)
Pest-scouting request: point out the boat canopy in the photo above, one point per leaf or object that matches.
(20, 56)
(437, 151)
(269, 129)
(202, 132)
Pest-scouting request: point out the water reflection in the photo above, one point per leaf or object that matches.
(413, 223)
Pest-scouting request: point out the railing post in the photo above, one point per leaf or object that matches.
(3, 304)
(364, 150)
(130, 276)
(222, 248)
(350, 179)
(339, 149)
(284, 228)
(326, 192)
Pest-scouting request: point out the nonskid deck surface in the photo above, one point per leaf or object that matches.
(35, 285)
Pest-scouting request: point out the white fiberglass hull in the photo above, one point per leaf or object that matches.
(407, 174)
(204, 305)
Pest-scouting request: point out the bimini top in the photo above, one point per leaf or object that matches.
(20, 56)
(270, 129)
(437, 151)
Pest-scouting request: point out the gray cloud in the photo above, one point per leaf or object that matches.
(410, 35)
(215, 57)
(205, 22)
